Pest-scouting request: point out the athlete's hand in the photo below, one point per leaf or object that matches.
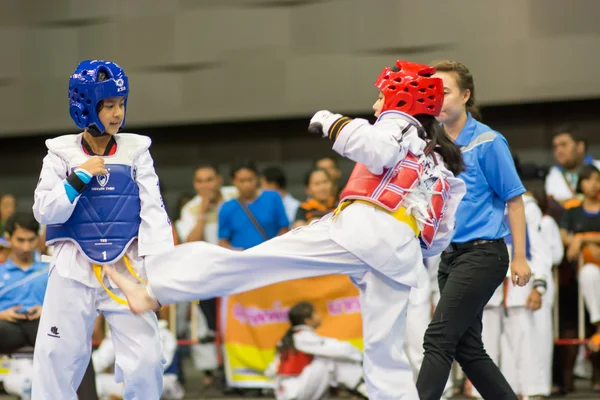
(95, 166)
(321, 122)
(520, 273)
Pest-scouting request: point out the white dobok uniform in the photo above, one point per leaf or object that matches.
(510, 335)
(316, 364)
(380, 252)
(74, 296)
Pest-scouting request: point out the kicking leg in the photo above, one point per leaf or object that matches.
(200, 270)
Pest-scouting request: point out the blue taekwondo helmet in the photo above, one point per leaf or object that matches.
(85, 92)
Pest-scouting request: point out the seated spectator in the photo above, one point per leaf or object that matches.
(198, 219)
(307, 365)
(570, 153)
(273, 178)
(255, 217)
(22, 287)
(320, 202)
(580, 232)
(332, 166)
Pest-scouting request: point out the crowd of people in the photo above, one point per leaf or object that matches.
(450, 316)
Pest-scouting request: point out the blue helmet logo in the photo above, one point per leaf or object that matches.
(85, 92)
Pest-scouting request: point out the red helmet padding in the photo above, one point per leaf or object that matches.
(411, 89)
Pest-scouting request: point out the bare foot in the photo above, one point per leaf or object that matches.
(137, 296)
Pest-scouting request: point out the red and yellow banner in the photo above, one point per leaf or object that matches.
(255, 321)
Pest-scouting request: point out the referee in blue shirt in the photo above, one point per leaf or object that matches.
(477, 260)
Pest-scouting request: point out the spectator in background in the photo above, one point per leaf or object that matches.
(255, 217)
(544, 317)
(22, 287)
(183, 199)
(8, 205)
(318, 184)
(198, 220)
(273, 178)
(580, 232)
(570, 153)
(332, 166)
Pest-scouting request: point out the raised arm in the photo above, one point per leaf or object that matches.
(377, 146)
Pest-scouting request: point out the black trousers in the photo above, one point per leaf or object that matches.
(468, 276)
(209, 309)
(15, 335)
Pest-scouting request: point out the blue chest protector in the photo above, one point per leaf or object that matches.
(106, 218)
(509, 241)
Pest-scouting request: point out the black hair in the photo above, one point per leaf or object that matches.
(310, 173)
(539, 194)
(207, 165)
(572, 129)
(22, 220)
(335, 161)
(275, 175)
(297, 315)
(440, 142)
(249, 165)
(585, 173)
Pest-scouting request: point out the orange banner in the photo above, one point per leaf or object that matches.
(255, 321)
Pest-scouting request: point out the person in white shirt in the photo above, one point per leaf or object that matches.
(570, 154)
(510, 335)
(199, 222)
(543, 318)
(306, 364)
(199, 216)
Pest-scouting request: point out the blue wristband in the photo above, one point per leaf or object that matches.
(81, 179)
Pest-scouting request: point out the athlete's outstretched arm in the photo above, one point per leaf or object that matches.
(377, 146)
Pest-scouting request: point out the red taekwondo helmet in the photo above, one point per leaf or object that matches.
(408, 87)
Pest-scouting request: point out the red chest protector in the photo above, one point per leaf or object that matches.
(390, 189)
(293, 362)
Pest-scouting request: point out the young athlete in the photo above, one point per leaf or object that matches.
(307, 364)
(401, 195)
(543, 318)
(99, 196)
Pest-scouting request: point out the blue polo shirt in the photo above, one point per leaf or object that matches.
(491, 179)
(237, 227)
(22, 287)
